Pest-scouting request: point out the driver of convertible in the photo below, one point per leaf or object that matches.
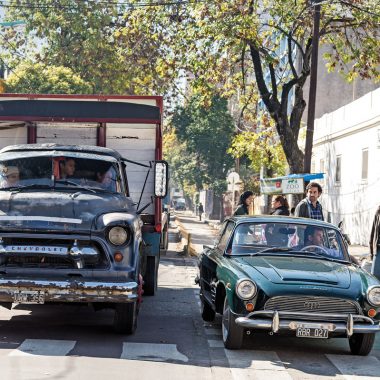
(314, 236)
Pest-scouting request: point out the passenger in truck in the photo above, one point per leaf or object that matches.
(11, 176)
(107, 179)
(66, 168)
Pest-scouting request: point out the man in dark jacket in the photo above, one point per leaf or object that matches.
(310, 207)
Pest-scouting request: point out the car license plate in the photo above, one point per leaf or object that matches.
(312, 332)
(24, 296)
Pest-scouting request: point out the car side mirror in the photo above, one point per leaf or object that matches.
(160, 179)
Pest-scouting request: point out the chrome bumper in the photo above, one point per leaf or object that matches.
(71, 290)
(287, 321)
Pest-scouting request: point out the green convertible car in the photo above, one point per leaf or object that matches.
(285, 274)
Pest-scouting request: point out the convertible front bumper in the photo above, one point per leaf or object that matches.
(276, 321)
(72, 290)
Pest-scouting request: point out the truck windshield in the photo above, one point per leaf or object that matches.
(60, 172)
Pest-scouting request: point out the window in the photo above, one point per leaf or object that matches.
(313, 166)
(225, 236)
(365, 164)
(338, 169)
(322, 165)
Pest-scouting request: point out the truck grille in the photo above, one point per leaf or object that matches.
(325, 305)
(50, 261)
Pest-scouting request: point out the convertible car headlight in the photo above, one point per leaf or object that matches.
(118, 235)
(373, 296)
(246, 289)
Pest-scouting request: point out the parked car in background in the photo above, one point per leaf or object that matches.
(286, 274)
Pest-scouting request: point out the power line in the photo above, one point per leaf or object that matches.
(117, 3)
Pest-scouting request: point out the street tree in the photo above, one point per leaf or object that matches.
(207, 131)
(261, 50)
(40, 79)
(88, 38)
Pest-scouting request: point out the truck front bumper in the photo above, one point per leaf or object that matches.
(275, 321)
(41, 291)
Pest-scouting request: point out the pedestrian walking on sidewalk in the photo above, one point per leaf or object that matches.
(310, 207)
(374, 244)
(245, 201)
(200, 210)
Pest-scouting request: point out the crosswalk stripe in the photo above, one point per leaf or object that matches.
(256, 365)
(43, 347)
(158, 352)
(356, 367)
(215, 343)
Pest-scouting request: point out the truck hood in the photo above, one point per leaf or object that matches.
(298, 270)
(57, 211)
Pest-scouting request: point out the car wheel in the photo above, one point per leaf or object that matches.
(125, 319)
(232, 333)
(208, 313)
(150, 278)
(361, 344)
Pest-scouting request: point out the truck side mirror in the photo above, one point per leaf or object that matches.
(160, 178)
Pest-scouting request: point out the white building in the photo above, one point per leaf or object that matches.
(347, 149)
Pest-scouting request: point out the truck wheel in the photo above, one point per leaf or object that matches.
(125, 319)
(150, 278)
(232, 333)
(361, 344)
(165, 240)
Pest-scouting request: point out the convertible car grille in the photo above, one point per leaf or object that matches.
(317, 305)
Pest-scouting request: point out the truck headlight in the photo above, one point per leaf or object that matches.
(246, 289)
(118, 235)
(373, 295)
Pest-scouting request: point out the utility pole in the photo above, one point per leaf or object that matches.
(313, 87)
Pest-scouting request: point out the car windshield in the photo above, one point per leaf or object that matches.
(64, 171)
(289, 239)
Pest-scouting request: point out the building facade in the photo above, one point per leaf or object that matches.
(347, 149)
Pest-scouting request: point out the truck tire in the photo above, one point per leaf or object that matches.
(150, 278)
(361, 344)
(125, 318)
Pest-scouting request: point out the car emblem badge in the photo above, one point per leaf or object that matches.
(312, 305)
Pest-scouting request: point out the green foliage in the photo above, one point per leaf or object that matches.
(89, 38)
(39, 79)
(207, 132)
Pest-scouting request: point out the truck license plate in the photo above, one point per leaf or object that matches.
(24, 296)
(311, 332)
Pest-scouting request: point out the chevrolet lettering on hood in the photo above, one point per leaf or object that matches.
(287, 275)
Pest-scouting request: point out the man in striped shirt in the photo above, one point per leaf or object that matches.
(310, 207)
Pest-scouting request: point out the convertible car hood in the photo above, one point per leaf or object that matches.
(56, 210)
(298, 270)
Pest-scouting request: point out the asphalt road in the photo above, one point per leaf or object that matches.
(171, 341)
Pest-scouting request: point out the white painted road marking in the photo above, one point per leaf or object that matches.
(157, 352)
(215, 343)
(256, 365)
(356, 367)
(43, 347)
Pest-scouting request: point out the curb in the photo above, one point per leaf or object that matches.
(187, 247)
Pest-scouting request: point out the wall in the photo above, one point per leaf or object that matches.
(346, 133)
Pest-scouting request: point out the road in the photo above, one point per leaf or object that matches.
(171, 341)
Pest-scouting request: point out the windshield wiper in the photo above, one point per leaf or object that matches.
(26, 187)
(305, 253)
(67, 182)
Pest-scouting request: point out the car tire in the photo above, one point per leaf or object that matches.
(361, 344)
(150, 278)
(232, 334)
(125, 318)
(208, 313)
